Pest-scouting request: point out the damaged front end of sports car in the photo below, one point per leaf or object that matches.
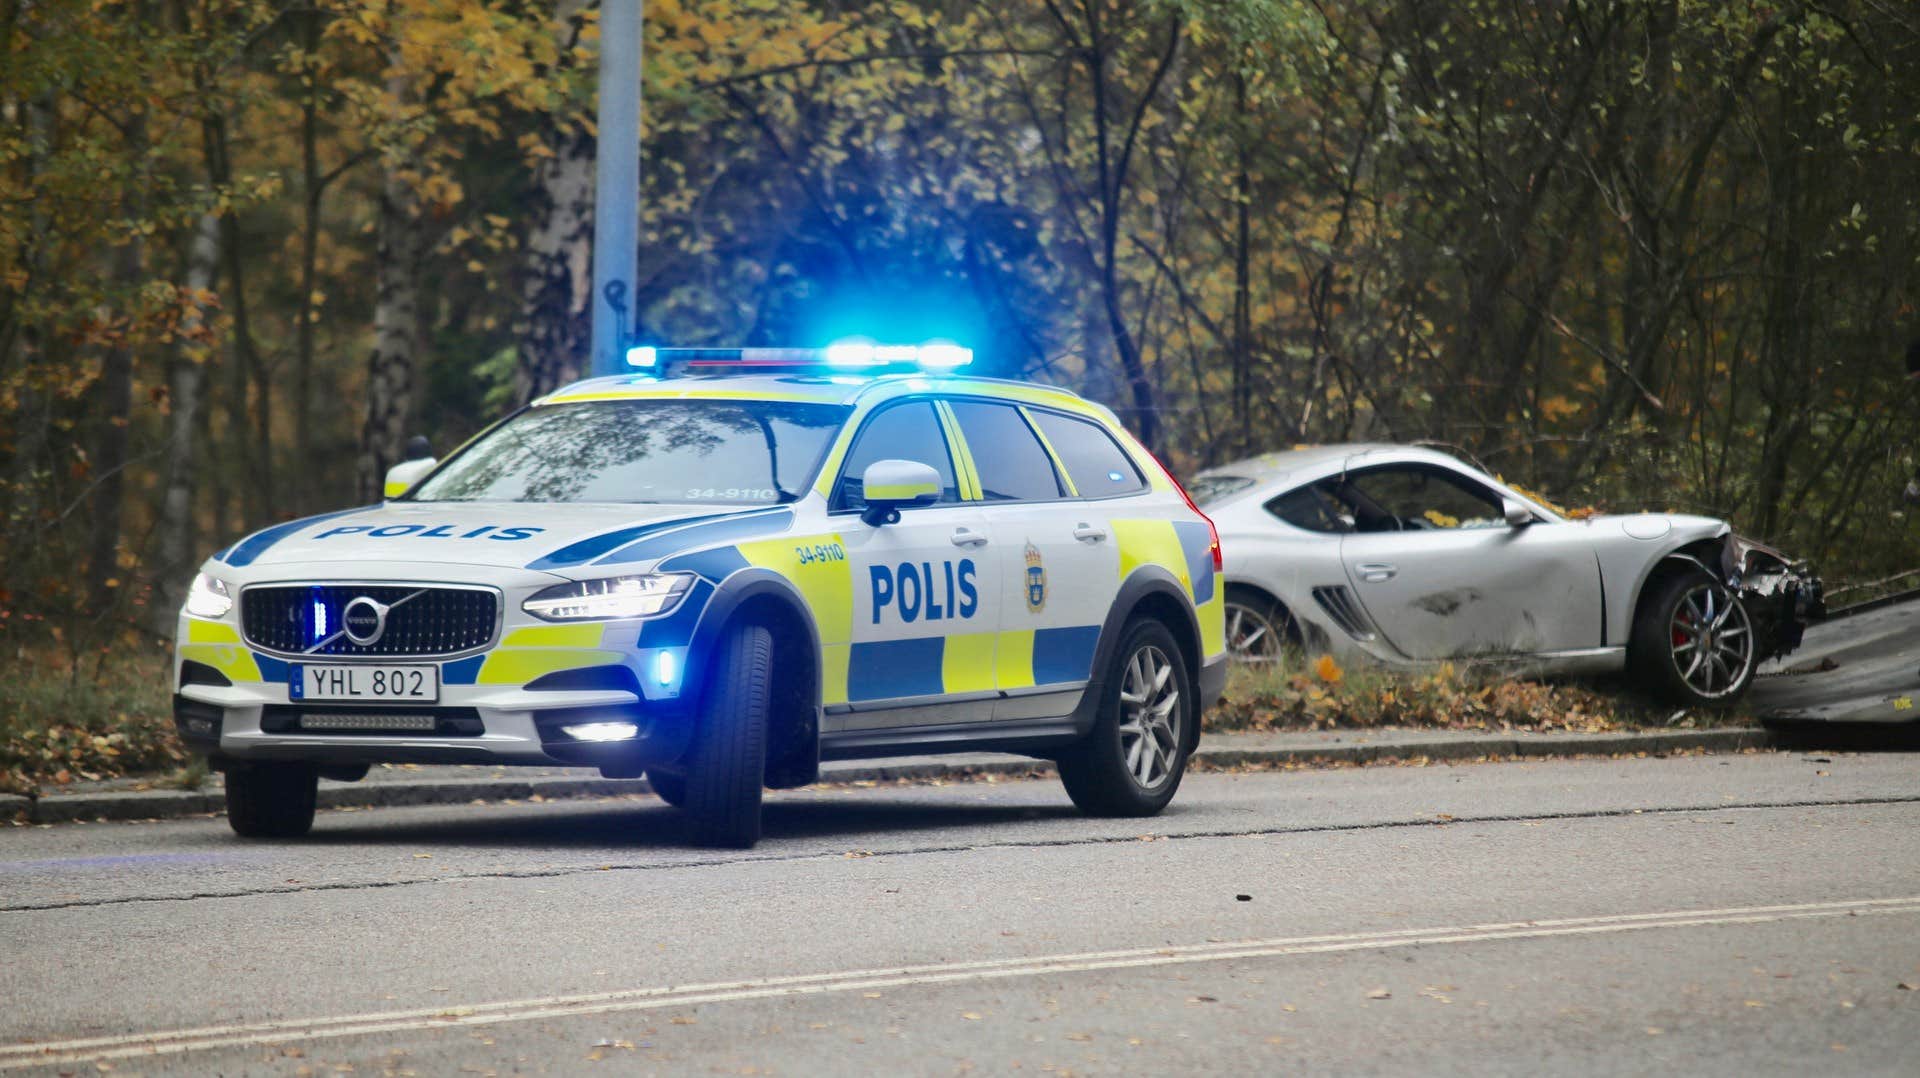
(1781, 596)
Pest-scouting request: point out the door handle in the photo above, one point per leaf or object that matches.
(1376, 572)
(1087, 533)
(968, 537)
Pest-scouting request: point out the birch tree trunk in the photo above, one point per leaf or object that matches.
(396, 332)
(557, 284)
(174, 554)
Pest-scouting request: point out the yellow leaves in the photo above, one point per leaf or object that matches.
(1328, 670)
(1555, 409)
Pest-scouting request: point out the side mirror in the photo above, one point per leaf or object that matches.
(404, 475)
(1518, 516)
(889, 485)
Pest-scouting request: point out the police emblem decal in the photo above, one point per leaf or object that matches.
(1036, 581)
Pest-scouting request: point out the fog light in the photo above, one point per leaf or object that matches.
(601, 731)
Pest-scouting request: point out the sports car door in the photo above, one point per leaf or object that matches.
(1442, 575)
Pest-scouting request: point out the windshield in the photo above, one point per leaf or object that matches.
(720, 452)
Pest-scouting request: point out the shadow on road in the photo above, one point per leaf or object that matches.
(660, 826)
(1846, 736)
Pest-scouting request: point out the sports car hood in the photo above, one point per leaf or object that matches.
(499, 534)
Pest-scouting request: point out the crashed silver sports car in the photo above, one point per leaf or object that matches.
(1408, 555)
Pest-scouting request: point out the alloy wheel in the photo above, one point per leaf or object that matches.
(1150, 718)
(1253, 637)
(1711, 641)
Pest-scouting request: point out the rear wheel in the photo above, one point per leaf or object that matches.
(1693, 642)
(1259, 630)
(726, 768)
(272, 800)
(1132, 761)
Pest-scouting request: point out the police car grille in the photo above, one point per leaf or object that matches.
(434, 621)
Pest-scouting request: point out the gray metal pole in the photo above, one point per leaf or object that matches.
(616, 192)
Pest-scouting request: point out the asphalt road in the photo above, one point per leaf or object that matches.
(1735, 914)
(1861, 668)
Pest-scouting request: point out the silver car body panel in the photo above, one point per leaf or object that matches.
(1555, 595)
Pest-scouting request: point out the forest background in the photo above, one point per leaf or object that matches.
(1626, 253)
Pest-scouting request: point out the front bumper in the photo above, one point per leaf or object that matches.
(224, 725)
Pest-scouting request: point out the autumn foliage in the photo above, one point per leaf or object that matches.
(1628, 254)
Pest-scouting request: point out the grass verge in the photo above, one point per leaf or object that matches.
(61, 722)
(1320, 694)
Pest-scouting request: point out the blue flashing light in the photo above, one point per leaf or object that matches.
(933, 355)
(644, 356)
(943, 355)
(666, 667)
(319, 620)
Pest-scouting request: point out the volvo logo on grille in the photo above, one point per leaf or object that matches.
(364, 620)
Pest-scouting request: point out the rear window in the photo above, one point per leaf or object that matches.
(1013, 465)
(1095, 462)
(1212, 488)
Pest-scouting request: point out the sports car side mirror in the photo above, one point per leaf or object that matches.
(404, 475)
(889, 485)
(1518, 516)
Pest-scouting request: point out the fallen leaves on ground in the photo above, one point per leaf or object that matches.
(1321, 695)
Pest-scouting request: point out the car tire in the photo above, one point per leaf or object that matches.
(726, 768)
(1693, 642)
(671, 788)
(272, 800)
(1260, 630)
(1132, 761)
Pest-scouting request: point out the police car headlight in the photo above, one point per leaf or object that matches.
(611, 597)
(208, 597)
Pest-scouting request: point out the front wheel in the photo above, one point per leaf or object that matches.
(670, 788)
(272, 800)
(1132, 761)
(727, 767)
(1693, 642)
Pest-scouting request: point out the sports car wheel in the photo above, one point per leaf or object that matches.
(1132, 761)
(1259, 630)
(1693, 642)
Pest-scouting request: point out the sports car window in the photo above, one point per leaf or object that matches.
(1095, 462)
(1312, 509)
(1013, 466)
(909, 431)
(1417, 497)
(701, 451)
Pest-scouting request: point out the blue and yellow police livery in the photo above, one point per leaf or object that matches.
(719, 570)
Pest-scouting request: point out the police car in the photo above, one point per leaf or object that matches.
(718, 570)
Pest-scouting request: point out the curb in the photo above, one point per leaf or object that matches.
(172, 804)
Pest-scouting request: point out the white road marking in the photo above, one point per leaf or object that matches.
(173, 1042)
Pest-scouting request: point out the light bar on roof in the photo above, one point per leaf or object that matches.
(845, 355)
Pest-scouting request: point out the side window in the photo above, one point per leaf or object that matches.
(1311, 509)
(1416, 498)
(1095, 462)
(909, 431)
(1012, 463)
